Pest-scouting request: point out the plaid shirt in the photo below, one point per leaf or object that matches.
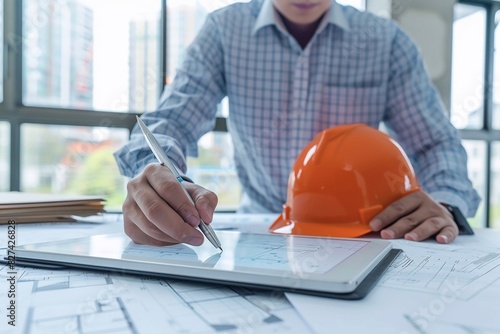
(357, 68)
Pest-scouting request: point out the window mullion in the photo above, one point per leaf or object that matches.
(12, 83)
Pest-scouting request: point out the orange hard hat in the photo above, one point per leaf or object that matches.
(341, 180)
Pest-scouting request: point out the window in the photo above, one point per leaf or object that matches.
(467, 88)
(496, 75)
(495, 186)
(476, 164)
(77, 75)
(92, 54)
(476, 97)
(70, 159)
(1, 50)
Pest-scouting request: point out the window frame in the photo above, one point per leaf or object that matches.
(486, 133)
(15, 113)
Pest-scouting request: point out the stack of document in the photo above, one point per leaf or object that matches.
(24, 207)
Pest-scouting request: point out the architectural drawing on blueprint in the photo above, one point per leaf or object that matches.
(451, 327)
(89, 302)
(433, 269)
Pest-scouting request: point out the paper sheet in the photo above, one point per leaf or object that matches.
(430, 288)
(85, 302)
(24, 207)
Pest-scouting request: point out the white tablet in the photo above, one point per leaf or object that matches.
(323, 266)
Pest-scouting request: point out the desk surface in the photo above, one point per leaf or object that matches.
(431, 288)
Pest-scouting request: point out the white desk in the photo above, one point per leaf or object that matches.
(431, 289)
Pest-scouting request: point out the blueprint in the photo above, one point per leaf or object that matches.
(432, 268)
(429, 289)
(61, 301)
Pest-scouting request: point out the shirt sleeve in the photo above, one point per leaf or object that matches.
(187, 108)
(416, 118)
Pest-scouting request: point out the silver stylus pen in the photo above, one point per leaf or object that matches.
(164, 160)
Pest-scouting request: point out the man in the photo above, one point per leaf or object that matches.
(292, 68)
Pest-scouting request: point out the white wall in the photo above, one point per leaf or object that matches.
(430, 24)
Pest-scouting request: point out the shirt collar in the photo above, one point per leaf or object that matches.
(269, 16)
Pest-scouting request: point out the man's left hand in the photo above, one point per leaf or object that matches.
(416, 217)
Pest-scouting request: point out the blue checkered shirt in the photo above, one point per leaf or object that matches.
(358, 68)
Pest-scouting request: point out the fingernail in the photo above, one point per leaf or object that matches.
(193, 220)
(195, 241)
(375, 224)
(411, 236)
(444, 238)
(387, 234)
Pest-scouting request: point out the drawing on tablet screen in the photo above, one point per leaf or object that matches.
(295, 254)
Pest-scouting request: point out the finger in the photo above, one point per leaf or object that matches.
(170, 190)
(164, 217)
(445, 229)
(140, 237)
(167, 221)
(393, 212)
(138, 226)
(447, 234)
(206, 201)
(403, 225)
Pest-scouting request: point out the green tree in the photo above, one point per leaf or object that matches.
(99, 175)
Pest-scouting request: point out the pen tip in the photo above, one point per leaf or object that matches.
(221, 249)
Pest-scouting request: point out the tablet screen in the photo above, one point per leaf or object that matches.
(305, 263)
(255, 251)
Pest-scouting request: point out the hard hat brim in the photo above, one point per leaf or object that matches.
(339, 230)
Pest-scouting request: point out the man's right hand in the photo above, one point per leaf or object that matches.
(157, 212)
